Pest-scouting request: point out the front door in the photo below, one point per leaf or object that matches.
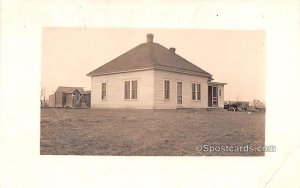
(213, 96)
(179, 93)
(210, 96)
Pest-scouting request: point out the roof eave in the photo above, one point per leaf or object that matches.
(118, 72)
(182, 71)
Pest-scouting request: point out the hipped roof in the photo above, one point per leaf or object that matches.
(149, 55)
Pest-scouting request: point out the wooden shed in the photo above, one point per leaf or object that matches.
(69, 97)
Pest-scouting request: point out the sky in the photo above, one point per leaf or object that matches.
(236, 57)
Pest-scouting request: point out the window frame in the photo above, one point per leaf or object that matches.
(194, 94)
(132, 90)
(127, 95)
(196, 91)
(167, 91)
(103, 92)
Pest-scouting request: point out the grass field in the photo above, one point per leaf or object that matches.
(148, 132)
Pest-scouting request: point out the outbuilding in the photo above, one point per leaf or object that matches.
(70, 97)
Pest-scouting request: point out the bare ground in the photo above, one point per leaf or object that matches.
(148, 132)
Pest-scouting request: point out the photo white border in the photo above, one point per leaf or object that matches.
(21, 29)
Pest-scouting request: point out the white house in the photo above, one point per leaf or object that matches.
(151, 76)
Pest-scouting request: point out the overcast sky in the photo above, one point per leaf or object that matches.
(234, 57)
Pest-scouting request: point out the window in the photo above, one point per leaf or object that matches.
(131, 89)
(167, 89)
(220, 92)
(103, 91)
(134, 89)
(127, 90)
(193, 91)
(196, 91)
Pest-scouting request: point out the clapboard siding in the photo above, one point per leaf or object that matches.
(59, 100)
(52, 100)
(187, 80)
(115, 90)
(69, 100)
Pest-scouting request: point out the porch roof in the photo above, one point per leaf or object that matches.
(216, 83)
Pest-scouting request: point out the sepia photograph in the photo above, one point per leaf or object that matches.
(149, 94)
(153, 92)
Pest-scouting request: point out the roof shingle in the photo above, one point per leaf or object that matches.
(149, 55)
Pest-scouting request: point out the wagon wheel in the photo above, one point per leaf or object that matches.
(232, 109)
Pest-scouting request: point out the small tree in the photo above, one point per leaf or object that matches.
(43, 95)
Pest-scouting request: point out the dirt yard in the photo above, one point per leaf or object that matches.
(149, 132)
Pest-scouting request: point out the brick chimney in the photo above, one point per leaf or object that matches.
(150, 38)
(172, 50)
